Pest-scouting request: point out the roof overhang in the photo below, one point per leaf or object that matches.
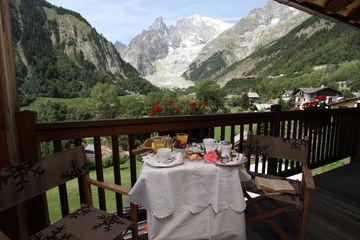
(343, 11)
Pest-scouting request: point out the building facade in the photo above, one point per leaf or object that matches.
(304, 95)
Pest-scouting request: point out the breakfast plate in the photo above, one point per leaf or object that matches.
(236, 161)
(175, 159)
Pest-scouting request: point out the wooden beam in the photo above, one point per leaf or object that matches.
(354, 16)
(30, 151)
(346, 11)
(321, 2)
(336, 5)
(12, 220)
(8, 102)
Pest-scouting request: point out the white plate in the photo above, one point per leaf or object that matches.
(240, 159)
(153, 160)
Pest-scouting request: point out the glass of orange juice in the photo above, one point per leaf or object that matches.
(181, 140)
(158, 143)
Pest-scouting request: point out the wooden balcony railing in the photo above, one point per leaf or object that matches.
(333, 134)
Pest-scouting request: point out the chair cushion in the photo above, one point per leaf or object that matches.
(85, 223)
(283, 197)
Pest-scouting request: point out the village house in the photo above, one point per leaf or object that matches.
(286, 95)
(304, 95)
(345, 85)
(253, 97)
(346, 103)
(356, 94)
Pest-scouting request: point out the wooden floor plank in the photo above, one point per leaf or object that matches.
(334, 208)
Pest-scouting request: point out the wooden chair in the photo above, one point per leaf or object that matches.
(272, 149)
(21, 182)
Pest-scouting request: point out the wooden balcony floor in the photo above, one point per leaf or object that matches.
(334, 209)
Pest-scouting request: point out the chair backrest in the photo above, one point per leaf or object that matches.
(275, 147)
(21, 182)
(3, 236)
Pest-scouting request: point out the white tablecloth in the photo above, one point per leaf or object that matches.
(191, 201)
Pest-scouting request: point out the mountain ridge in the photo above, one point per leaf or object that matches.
(59, 54)
(316, 52)
(260, 27)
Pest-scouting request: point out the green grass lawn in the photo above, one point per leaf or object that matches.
(73, 192)
(70, 102)
(217, 132)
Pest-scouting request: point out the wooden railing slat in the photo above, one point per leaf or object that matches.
(241, 139)
(337, 135)
(132, 159)
(212, 132)
(333, 135)
(319, 131)
(117, 172)
(232, 134)
(99, 172)
(222, 133)
(257, 156)
(78, 142)
(64, 202)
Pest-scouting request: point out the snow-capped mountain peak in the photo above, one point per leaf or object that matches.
(167, 51)
(158, 24)
(205, 28)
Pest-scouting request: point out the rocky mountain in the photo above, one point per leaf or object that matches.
(120, 47)
(147, 47)
(59, 54)
(315, 52)
(261, 27)
(163, 53)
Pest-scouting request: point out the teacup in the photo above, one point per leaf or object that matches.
(225, 148)
(164, 154)
(209, 144)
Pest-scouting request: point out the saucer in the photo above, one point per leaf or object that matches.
(175, 159)
(170, 159)
(238, 160)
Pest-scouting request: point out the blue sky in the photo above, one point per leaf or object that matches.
(121, 20)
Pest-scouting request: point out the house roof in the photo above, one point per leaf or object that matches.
(346, 11)
(230, 96)
(345, 100)
(288, 92)
(315, 90)
(253, 95)
(357, 94)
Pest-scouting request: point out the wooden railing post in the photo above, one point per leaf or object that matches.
(30, 151)
(275, 131)
(11, 220)
(356, 156)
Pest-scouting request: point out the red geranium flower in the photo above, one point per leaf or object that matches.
(193, 104)
(156, 108)
(320, 98)
(177, 109)
(170, 102)
(205, 104)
